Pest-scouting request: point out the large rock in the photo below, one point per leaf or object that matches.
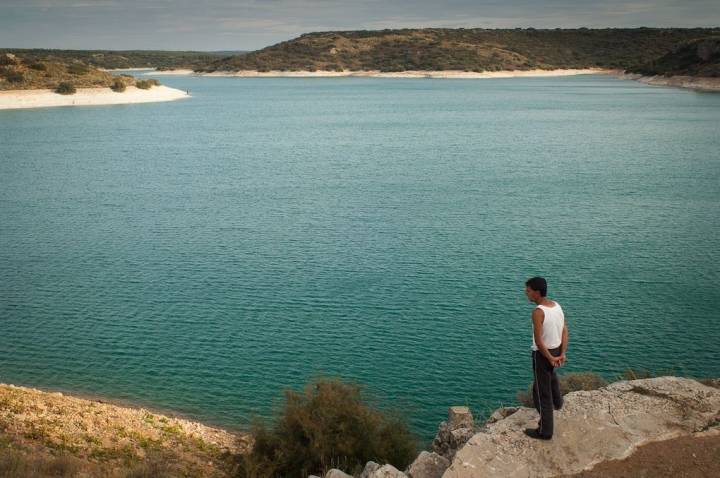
(387, 471)
(500, 414)
(595, 426)
(428, 465)
(370, 467)
(335, 473)
(460, 417)
(453, 433)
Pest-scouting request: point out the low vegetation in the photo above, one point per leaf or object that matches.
(328, 425)
(12, 76)
(77, 69)
(118, 85)
(112, 59)
(23, 73)
(65, 88)
(146, 84)
(15, 463)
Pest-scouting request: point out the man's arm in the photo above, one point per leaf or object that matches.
(564, 345)
(538, 316)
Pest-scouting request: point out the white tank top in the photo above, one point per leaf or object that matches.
(552, 326)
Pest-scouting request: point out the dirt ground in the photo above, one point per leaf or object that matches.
(685, 457)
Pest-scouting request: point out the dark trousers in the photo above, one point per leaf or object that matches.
(546, 390)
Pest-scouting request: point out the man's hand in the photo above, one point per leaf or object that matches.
(559, 361)
(555, 361)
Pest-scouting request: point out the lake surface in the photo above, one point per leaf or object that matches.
(203, 255)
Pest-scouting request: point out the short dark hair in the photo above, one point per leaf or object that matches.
(538, 284)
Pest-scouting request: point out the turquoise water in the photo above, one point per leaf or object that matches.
(205, 254)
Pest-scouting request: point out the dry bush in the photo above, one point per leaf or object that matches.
(156, 465)
(65, 88)
(118, 85)
(15, 464)
(146, 84)
(328, 425)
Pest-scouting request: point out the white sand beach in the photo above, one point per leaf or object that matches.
(169, 72)
(16, 99)
(398, 74)
(126, 69)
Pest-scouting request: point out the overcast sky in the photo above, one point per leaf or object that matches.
(249, 25)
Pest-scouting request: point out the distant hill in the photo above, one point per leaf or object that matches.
(27, 72)
(462, 49)
(112, 59)
(699, 58)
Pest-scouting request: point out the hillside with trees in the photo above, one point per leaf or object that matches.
(112, 59)
(698, 58)
(25, 73)
(462, 49)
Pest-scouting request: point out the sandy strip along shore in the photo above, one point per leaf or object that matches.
(170, 72)
(16, 99)
(397, 74)
(126, 69)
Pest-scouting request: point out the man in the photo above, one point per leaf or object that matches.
(550, 341)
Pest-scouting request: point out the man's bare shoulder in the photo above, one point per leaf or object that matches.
(538, 313)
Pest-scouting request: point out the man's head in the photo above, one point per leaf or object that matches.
(535, 288)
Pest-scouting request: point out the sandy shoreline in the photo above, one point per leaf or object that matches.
(170, 72)
(398, 74)
(99, 437)
(127, 69)
(18, 99)
(225, 435)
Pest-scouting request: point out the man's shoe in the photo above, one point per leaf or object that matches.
(534, 433)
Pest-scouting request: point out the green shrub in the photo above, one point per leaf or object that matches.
(118, 85)
(146, 84)
(14, 76)
(77, 69)
(570, 382)
(38, 66)
(328, 425)
(65, 88)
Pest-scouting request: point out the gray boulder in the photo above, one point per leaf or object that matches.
(387, 471)
(592, 427)
(500, 414)
(453, 433)
(459, 417)
(428, 465)
(335, 473)
(370, 467)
